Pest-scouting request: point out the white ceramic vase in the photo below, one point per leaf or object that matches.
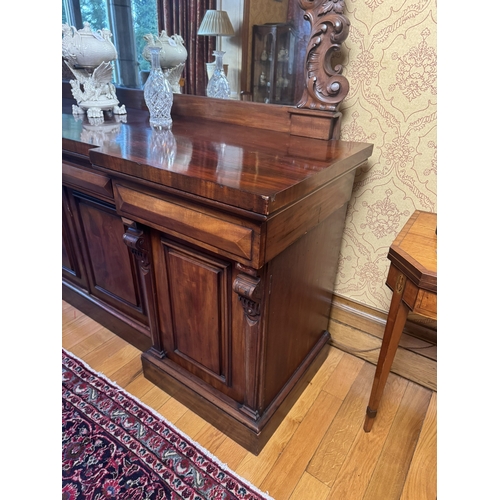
(173, 56)
(86, 48)
(172, 50)
(89, 55)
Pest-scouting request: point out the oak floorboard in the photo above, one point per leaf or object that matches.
(286, 472)
(128, 372)
(318, 383)
(113, 363)
(390, 473)
(155, 398)
(72, 316)
(340, 435)
(173, 410)
(341, 380)
(375, 326)
(70, 324)
(406, 363)
(231, 453)
(78, 330)
(140, 386)
(256, 468)
(70, 313)
(190, 423)
(209, 437)
(421, 481)
(359, 464)
(397, 457)
(98, 357)
(310, 487)
(420, 346)
(90, 342)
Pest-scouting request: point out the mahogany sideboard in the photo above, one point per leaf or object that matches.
(213, 249)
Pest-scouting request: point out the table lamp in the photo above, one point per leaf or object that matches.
(217, 23)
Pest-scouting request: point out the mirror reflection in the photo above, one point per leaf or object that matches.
(131, 21)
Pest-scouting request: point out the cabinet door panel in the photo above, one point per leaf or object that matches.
(112, 271)
(195, 325)
(72, 266)
(109, 257)
(195, 312)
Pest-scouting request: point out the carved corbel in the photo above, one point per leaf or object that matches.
(134, 239)
(325, 87)
(248, 287)
(137, 242)
(249, 293)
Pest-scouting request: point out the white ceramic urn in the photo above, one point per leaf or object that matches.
(172, 51)
(86, 48)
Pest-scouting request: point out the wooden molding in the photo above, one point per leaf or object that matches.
(358, 330)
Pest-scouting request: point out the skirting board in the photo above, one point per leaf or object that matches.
(358, 330)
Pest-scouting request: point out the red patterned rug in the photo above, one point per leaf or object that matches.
(113, 446)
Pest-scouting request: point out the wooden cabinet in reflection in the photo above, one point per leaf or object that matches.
(273, 63)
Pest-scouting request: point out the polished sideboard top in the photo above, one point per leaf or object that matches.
(212, 247)
(250, 169)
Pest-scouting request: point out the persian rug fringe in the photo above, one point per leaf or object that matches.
(182, 465)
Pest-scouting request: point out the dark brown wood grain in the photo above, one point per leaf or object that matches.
(197, 224)
(298, 308)
(111, 268)
(87, 181)
(73, 267)
(100, 275)
(222, 250)
(252, 169)
(195, 326)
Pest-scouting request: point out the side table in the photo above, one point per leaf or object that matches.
(413, 279)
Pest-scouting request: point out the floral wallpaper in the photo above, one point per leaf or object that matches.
(390, 60)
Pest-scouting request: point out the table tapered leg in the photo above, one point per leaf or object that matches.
(396, 319)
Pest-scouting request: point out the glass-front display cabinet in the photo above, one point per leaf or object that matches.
(273, 58)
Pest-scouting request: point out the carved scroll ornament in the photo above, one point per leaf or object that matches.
(134, 239)
(248, 289)
(137, 242)
(325, 87)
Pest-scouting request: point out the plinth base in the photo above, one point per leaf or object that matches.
(224, 413)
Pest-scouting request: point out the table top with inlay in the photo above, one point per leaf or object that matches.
(414, 251)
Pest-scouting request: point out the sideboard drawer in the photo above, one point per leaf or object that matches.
(85, 180)
(196, 224)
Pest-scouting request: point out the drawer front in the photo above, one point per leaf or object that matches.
(92, 182)
(426, 304)
(172, 217)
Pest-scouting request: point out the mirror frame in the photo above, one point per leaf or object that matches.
(324, 87)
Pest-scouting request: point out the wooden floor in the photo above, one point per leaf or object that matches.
(320, 451)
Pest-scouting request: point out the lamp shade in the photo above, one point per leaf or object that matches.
(216, 23)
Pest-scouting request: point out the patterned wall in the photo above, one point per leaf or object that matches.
(390, 61)
(268, 11)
